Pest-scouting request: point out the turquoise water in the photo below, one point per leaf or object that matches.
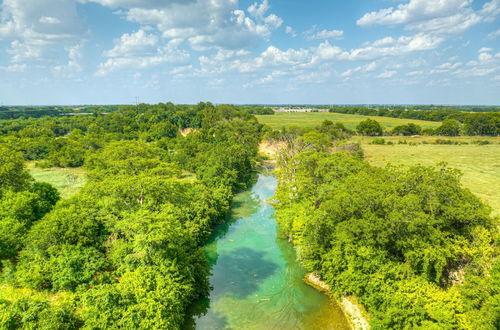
(257, 282)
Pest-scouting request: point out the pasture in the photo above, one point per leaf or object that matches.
(311, 119)
(480, 164)
(68, 181)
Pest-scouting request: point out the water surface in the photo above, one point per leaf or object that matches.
(257, 282)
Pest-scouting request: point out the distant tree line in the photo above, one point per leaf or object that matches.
(257, 110)
(474, 126)
(473, 123)
(15, 112)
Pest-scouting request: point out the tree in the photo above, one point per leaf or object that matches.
(407, 130)
(449, 127)
(12, 172)
(369, 127)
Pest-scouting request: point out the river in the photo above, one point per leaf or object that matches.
(257, 283)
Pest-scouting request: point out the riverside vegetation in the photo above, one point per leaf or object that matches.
(126, 250)
(411, 244)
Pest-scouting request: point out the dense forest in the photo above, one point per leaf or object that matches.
(414, 246)
(125, 251)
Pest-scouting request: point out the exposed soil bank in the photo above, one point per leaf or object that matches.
(353, 310)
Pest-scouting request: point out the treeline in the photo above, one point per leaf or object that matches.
(473, 123)
(125, 252)
(257, 110)
(414, 246)
(15, 112)
(475, 126)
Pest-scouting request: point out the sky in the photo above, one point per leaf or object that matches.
(250, 52)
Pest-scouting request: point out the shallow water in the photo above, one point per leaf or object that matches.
(257, 282)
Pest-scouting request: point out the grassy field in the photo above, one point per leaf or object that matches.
(480, 164)
(309, 119)
(67, 180)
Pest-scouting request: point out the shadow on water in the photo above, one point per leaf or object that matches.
(202, 308)
(245, 269)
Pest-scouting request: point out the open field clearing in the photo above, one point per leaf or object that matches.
(480, 164)
(311, 119)
(67, 180)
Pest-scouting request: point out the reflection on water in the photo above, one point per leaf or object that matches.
(256, 280)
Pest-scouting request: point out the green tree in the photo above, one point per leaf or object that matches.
(369, 127)
(13, 175)
(449, 127)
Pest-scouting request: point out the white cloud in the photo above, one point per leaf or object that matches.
(49, 20)
(39, 30)
(487, 63)
(133, 44)
(413, 11)
(372, 66)
(43, 21)
(204, 23)
(415, 73)
(141, 50)
(325, 34)
(259, 10)
(289, 30)
(494, 34)
(441, 17)
(387, 74)
(16, 68)
(394, 47)
(73, 66)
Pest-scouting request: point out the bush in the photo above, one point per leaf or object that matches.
(378, 141)
(407, 130)
(449, 142)
(481, 142)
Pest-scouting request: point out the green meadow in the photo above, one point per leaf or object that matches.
(480, 164)
(311, 119)
(68, 181)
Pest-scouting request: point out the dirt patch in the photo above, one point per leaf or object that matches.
(186, 131)
(353, 310)
(270, 149)
(355, 313)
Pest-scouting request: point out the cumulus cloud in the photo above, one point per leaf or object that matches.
(16, 68)
(44, 21)
(324, 34)
(289, 30)
(487, 63)
(38, 30)
(204, 24)
(443, 16)
(387, 74)
(393, 47)
(494, 34)
(141, 50)
(73, 66)
(413, 11)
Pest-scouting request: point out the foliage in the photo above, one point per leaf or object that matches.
(407, 130)
(369, 127)
(449, 127)
(128, 246)
(397, 239)
(483, 123)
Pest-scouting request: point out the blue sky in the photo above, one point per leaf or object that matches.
(264, 51)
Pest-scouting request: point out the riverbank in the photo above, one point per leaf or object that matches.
(353, 310)
(257, 282)
(355, 314)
